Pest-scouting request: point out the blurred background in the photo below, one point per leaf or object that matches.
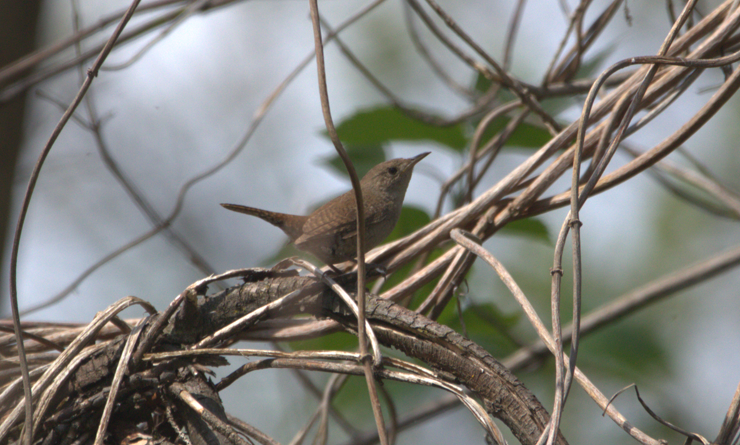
(172, 106)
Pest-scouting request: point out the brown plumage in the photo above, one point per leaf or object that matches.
(330, 232)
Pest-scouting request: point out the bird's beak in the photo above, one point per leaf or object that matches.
(417, 158)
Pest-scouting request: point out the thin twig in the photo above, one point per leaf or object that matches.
(179, 391)
(251, 431)
(424, 52)
(511, 33)
(331, 130)
(166, 222)
(115, 386)
(92, 73)
(689, 435)
(731, 424)
(354, 307)
(459, 237)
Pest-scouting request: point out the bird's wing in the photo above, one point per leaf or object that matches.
(336, 216)
(331, 217)
(373, 218)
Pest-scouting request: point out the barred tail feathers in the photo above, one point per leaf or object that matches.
(292, 225)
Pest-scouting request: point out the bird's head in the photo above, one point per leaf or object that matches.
(391, 176)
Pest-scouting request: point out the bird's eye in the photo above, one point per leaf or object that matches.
(392, 170)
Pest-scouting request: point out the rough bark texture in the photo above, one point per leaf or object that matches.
(154, 393)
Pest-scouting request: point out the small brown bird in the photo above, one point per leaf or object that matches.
(330, 232)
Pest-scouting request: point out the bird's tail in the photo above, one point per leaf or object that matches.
(292, 225)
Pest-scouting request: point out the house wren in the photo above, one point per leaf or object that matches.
(330, 232)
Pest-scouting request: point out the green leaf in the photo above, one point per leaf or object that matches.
(529, 227)
(411, 219)
(528, 135)
(363, 157)
(404, 272)
(385, 124)
(525, 135)
(638, 352)
(493, 316)
(486, 325)
(591, 66)
(482, 84)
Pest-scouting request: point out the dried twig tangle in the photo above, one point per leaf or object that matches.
(114, 377)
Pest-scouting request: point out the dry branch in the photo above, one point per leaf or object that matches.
(150, 380)
(82, 386)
